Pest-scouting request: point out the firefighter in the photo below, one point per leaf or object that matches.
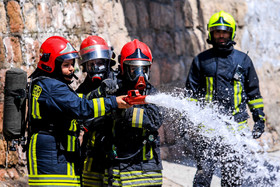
(225, 76)
(53, 153)
(135, 153)
(97, 60)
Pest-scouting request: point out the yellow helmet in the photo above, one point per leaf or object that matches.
(221, 21)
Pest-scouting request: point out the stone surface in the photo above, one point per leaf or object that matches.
(31, 51)
(16, 22)
(13, 51)
(73, 17)
(29, 13)
(3, 23)
(2, 53)
(58, 18)
(44, 16)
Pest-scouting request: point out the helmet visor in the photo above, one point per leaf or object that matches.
(68, 57)
(221, 27)
(95, 52)
(138, 62)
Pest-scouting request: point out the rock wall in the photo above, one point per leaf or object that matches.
(175, 30)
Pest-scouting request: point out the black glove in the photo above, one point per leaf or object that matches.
(258, 129)
(109, 86)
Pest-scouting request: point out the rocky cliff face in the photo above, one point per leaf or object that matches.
(175, 31)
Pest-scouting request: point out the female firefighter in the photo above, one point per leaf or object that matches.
(53, 153)
(96, 59)
(135, 153)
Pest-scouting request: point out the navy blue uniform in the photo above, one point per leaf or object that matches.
(227, 78)
(53, 154)
(135, 148)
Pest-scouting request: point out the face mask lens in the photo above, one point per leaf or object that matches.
(95, 65)
(136, 71)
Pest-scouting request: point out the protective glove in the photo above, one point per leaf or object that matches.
(109, 86)
(258, 129)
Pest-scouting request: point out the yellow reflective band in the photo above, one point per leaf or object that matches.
(99, 107)
(141, 178)
(237, 96)
(243, 122)
(151, 153)
(209, 89)
(73, 126)
(117, 183)
(93, 175)
(102, 103)
(53, 184)
(130, 174)
(81, 95)
(192, 99)
(35, 108)
(70, 169)
(53, 180)
(135, 178)
(241, 127)
(202, 126)
(137, 117)
(95, 106)
(87, 96)
(256, 103)
(92, 178)
(98, 90)
(36, 92)
(88, 163)
(144, 152)
(262, 117)
(32, 155)
(92, 142)
(71, 143)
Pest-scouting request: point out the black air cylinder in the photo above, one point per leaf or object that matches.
(14, 103)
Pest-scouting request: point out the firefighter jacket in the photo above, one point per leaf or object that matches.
(229, 79)
(53, 154)
(94, 140)
(135, 149)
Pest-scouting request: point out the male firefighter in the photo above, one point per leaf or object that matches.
(53, 153)
(225, 76)
(96, 59)
(135, 153)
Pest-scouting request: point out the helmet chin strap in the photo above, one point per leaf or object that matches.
(141, 83)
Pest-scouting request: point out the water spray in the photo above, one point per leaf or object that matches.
(211, 124)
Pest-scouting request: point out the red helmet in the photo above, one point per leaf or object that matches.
(135, 61)
(96, 55)
(94, 47)
(55, 49)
